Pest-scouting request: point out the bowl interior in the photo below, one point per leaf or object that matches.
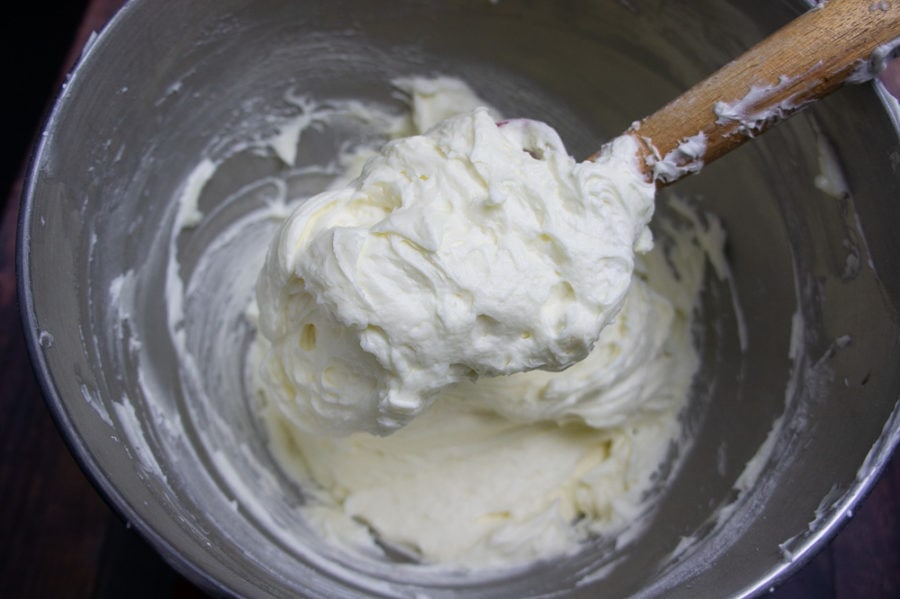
(797, 377)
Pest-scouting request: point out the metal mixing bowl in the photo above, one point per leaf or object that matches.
(813, 273)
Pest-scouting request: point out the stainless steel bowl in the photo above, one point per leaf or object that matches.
(813, 395)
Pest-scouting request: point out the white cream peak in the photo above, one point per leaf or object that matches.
(474, 249)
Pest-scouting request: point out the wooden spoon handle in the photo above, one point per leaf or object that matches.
(811, 57)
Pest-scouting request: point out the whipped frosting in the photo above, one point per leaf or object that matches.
(473, 249)
(508, 466)
(507, 470)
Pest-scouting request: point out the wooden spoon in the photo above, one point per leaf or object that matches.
(840, 41)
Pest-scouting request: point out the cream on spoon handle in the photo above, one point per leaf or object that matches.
(806, 60)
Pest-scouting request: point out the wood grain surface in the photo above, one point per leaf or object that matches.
(806, 60)
(58, 539)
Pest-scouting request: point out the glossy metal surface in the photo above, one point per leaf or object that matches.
(153, 91)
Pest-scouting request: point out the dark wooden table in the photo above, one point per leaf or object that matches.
(57, 536)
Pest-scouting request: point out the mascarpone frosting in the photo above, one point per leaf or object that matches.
(470, 250)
